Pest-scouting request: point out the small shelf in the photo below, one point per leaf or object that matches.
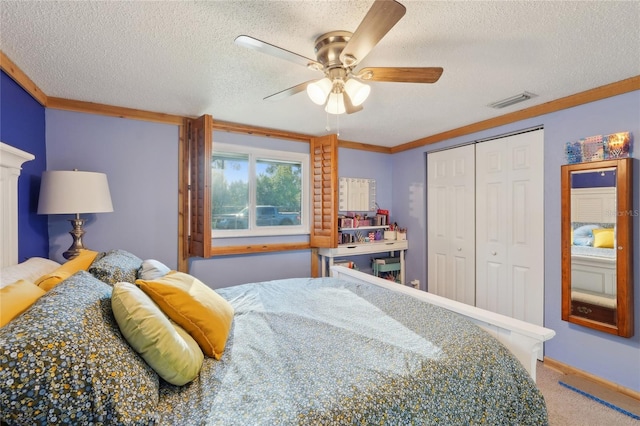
(364, 227)
(387, 270)
(376, 246)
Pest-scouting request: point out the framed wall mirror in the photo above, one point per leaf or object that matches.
(597, 245)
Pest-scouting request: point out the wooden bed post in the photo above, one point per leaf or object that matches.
(314, 262)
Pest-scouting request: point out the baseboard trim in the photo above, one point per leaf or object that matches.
(567, 369)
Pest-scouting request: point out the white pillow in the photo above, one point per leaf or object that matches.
(29, 270)
(152, 269)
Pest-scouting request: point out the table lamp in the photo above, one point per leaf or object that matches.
(74, 192)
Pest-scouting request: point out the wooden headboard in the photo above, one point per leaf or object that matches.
(11, 160)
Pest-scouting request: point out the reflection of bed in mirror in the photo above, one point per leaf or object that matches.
(593, 283)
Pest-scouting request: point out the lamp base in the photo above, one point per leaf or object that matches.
(77, 232)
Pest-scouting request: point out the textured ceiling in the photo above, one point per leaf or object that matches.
(179, 57)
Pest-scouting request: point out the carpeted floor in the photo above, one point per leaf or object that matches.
(568, 408)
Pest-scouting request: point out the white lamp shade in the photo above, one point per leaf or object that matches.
(335, 104)
(72, 192)
(319, 90)
(358, 92)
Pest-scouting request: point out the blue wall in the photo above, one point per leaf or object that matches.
(610, 357)
(22, 125)
(140, 159)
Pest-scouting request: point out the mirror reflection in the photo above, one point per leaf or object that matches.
(593, 252)
(597, 244)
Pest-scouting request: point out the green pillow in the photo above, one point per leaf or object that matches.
(164, 345)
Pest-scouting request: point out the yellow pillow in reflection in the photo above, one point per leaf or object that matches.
(603, 238)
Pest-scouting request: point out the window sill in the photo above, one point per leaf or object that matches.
(257, 248)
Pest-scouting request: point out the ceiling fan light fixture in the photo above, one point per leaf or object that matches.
(335, 104)
(358, 92)
(319, 90)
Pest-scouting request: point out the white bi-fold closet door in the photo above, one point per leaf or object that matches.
(485, 237)
(451, 245)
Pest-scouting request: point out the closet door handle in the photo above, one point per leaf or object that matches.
(493, 253)
(459, 248)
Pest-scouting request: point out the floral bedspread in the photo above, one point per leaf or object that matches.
(328, 352)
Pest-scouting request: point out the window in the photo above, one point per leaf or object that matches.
(320, 180)
(258, 192)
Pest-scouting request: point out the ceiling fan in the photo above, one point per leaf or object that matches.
(338, 54)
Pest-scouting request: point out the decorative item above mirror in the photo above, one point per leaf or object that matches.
(597, 245)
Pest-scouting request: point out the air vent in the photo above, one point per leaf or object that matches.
(524, 96)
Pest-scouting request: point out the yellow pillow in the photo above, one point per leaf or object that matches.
(78, 263)
(164, 345)
(603, 238)
(202, 312)
(17, 298)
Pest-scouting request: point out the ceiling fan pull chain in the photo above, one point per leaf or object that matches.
(327, 126)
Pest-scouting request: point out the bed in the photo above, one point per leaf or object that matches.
(346, 349)
(593, 269)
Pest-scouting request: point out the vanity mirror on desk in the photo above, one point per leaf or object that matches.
(597, 245)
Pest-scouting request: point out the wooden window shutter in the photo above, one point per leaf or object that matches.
(200, 131)
(324, 191)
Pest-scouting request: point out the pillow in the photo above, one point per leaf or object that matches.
(584, 231)
(64, 361)
(16, 298)
(30, 270)
(195, 307)
(79, 263)
(152, 269)
(603, 237)
(582, 241)
(166, 347)
(116, 266)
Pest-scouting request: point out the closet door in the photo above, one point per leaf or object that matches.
(451, 223)
(510, 226)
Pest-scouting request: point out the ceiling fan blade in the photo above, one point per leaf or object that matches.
(402, 75)
(278, 52)
(288, 92)
(382, 16)
(349, 108)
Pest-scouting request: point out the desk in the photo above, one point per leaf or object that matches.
(355, 249)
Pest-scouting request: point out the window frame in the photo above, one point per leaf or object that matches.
(254, 155)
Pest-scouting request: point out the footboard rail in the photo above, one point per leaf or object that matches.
(523, 339)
